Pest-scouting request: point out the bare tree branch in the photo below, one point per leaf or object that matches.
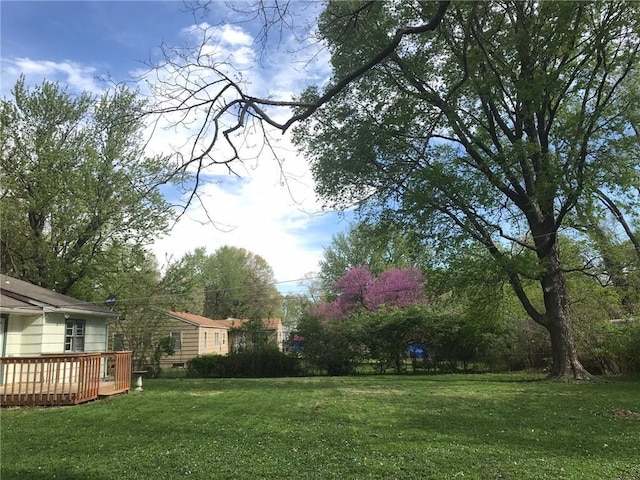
(245, 105)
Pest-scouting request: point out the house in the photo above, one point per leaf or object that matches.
(272, 328)
(193, 335)
(54, 347)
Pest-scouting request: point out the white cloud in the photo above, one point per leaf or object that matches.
(77, 76)
(233, 35)
(221, 44)
(259, 213)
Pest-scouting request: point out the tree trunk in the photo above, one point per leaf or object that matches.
(557, 320)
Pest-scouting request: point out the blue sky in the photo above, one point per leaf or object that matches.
(80, 43)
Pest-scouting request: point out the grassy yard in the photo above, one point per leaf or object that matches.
(384, 427)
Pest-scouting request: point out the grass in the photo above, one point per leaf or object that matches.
(366, 427)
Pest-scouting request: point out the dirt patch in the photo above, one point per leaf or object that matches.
(622, 413)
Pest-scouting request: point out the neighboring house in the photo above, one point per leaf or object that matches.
(272, 327)
(193, 335)
(53, 348)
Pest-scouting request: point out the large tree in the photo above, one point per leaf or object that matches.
(615, 254)
(492, 130)
(184, 280)
(240, 284)
(132, 276)
(475, 121)
(231, 282)
(74, 182)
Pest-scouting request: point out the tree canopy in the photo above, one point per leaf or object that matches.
(519, 114)
(231, 282)
(75, 183)
(359, 289)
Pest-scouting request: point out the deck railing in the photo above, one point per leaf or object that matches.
(63, 379)
(118, 368)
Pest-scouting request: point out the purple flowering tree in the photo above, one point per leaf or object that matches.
(358, 289)
(352, 289)
(396, 287)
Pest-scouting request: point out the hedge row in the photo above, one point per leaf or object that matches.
(269, 362)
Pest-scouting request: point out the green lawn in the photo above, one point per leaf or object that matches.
(385, 427)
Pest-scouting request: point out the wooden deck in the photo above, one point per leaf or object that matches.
(64, 379)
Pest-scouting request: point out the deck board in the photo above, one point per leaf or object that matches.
(51, 394)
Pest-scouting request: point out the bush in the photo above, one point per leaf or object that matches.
(269, 362)
(523, 345)
(334, 347)
(612, 348)
(162, 348)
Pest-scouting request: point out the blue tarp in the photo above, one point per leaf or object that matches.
(417, 350)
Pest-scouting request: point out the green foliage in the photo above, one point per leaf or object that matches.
(618, 266)
(264, 362)
(76, 186)
(294, 306)
(450, 336)
(521, 346)
(240, 284)
(139, 326)
(613, 347)
(252, 336)
(334, 348)
(230, 283)
(142, 298)
(132, 275)
(388, 333)
(185, 279)
(162, 347)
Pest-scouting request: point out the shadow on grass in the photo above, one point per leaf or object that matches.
(566, 424)
(18, 474)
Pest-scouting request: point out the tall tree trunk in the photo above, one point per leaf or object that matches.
(557, 320)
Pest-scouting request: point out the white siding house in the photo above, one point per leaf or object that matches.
(36, 321)
(53, 348)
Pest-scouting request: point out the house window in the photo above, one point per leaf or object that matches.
(206, 339)
(216, 338)
(74, 335)
(224, 337)
(118, 342)
(177, 340)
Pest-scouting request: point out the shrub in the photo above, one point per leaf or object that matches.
(268, 362)
(612, 347)
(523, 345)
(334, 347)
(162, 348)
